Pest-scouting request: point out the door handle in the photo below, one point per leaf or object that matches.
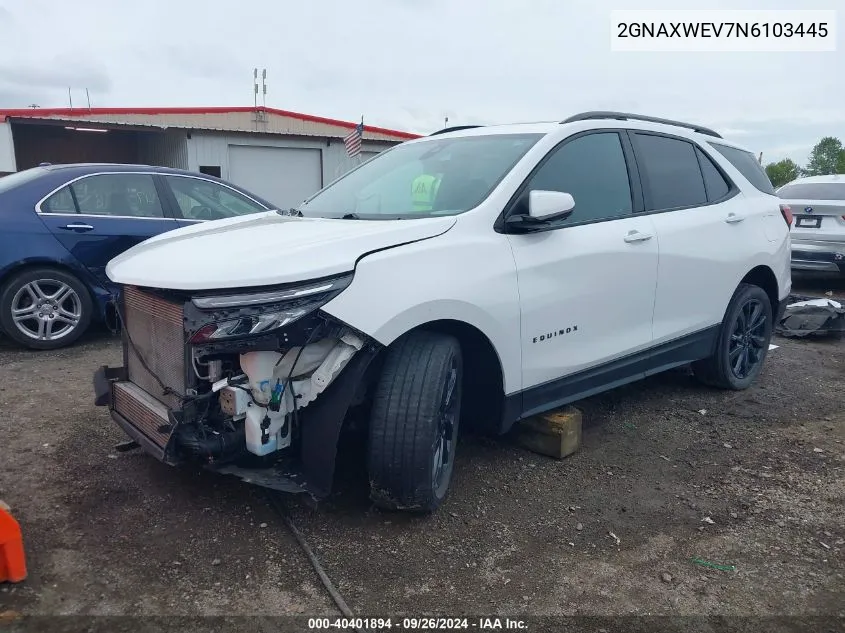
(77, 226)
(733, 218)
(636, 236)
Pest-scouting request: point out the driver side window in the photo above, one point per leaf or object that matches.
(592, 168)
(200, 199)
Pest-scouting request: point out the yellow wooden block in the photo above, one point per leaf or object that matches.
(556, 434)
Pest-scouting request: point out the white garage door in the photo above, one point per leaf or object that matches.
(282, 175)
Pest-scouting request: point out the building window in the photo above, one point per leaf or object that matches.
(210, 170)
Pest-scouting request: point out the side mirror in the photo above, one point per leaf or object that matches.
(550, 205)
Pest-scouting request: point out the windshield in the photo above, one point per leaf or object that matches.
(813, 191)
(18, 178)
(431, 178)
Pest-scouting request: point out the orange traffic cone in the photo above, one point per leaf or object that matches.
(12, 561)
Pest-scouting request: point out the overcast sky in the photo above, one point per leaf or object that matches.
(409, 63)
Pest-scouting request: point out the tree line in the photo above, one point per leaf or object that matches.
(827, 157)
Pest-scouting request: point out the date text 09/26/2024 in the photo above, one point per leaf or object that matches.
(417, 624)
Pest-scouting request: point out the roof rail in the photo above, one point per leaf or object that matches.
(627, 116)
(454, 128)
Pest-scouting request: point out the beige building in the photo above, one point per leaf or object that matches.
(282, 156)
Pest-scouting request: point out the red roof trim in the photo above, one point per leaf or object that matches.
(81, 112)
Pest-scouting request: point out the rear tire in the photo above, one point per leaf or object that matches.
(44, 308)
(743, 341)
(414, 422)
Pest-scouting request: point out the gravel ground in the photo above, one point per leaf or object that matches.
(668, 472)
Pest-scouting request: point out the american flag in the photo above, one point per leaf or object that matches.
(353, 140)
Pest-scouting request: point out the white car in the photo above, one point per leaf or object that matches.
(818, 237)
(477, 276)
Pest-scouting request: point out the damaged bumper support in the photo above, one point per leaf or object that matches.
(267, 408)
(280, 385)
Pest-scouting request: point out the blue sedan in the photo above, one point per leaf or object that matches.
(61, 224)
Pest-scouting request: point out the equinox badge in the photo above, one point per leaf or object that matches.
(560, 332)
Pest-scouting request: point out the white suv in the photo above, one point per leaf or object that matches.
(480, 275)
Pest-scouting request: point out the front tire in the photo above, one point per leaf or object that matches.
(44, 308)
(414, 422)
(743, 341)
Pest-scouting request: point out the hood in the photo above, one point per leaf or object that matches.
(262, 250)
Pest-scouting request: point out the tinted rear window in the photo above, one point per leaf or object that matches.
(714, 181)
(19, 178)
(746, 164)
(810, 191)
(671, 170)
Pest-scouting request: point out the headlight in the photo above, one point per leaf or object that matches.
(262, 312)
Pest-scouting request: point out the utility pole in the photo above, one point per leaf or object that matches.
(70, 98)
(88, 97)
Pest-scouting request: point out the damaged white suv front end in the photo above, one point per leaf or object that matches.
(245, 379)
(227, 382)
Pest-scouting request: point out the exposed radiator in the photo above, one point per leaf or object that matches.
(156, 328)
(144, 412)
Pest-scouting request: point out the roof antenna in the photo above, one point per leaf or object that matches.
(264, 87)
(255, 87)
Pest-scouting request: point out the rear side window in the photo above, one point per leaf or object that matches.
(813, 191)
(748, 166)
(59, 202)
(122, 195)
(671, 172)
(714, 182)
